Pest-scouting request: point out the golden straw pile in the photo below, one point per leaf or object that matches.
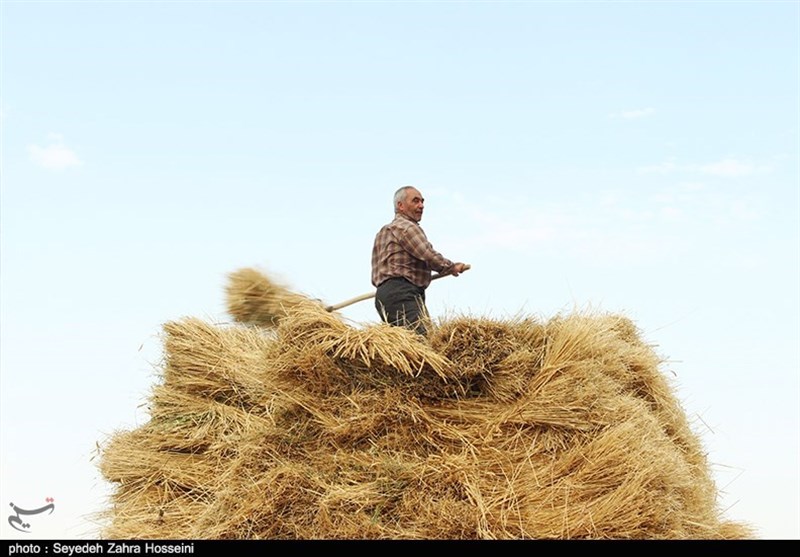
(293, 424)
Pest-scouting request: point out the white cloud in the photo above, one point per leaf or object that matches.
(615, 227)
(663, 168)
(54, 156)
(635, 113)
(728, 167)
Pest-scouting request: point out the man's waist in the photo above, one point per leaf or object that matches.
(405, 279)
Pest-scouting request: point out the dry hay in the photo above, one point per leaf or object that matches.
(254, 298)
(489, 429)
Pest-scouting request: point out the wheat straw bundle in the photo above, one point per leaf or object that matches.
(490, 429)
(377, 347)
(133, 456)
(255, 298)
(220, 363)
(163, 510)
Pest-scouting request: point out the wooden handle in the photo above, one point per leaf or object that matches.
(350, 302)
(369, 295)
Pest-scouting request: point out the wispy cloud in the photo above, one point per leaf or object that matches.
(665, 167)
(634, 113)
(613, 226)
(727, 167)
(55, 155)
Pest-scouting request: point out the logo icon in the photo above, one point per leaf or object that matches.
(23, 526)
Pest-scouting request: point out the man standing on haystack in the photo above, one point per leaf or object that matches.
(402, 261)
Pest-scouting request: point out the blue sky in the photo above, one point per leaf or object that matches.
(631, 157)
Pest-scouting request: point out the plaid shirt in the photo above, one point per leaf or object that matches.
(401, 249)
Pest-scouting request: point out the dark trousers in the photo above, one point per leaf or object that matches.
(400, 302)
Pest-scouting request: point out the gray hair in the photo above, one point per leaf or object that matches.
(400, 195)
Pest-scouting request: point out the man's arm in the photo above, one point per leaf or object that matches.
(412, 238)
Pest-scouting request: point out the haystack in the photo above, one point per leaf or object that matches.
(290, 423)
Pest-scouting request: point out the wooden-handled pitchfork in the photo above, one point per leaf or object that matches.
(369, 295)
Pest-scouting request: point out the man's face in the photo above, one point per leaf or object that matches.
(413, 205)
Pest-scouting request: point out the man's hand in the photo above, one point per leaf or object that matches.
(459, 268)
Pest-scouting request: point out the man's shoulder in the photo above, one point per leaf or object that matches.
(385, 232)
(402, 223)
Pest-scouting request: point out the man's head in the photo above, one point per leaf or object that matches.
(409, 202)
